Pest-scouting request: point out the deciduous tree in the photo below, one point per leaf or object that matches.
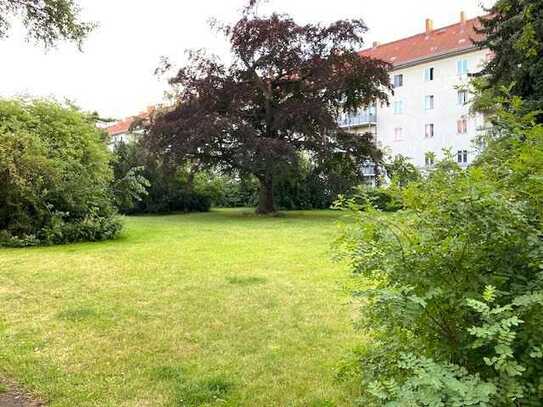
(46, 21)
(513, 31)
(280, 94)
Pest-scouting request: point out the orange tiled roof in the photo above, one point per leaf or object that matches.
(123, 126)
(441, 41)
(120, 127)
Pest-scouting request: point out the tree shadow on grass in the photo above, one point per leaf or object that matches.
(242, 214)
(245, 281)
(250, 214)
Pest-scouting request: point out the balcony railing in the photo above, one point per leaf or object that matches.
(367, 169)
(363, 118)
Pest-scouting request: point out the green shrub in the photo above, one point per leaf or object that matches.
(310, 184)
(452, 285)
(227, 191)
(54, 176)
(387, 199)
(301, 185)
(145, 183)
(428, 383)
(401, 171)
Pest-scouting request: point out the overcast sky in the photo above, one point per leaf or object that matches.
(114, 73)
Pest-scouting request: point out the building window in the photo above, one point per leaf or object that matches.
(429, 74)
(429, 102)
(429, 130)
(398, 107)
(462, 126)
(398, 81)
(429, 159)
(462, 156)
(462, 67)
(398, 133)
(462, 97)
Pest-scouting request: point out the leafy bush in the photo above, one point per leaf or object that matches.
(54, 176)
(429, 383)
(301, 185)
(227, 191)
(401, 171)
(387, 199)
(145, 183)
(452, 285)
(309, 184)
(130, 187)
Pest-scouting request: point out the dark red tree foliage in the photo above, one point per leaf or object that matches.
(280, 95)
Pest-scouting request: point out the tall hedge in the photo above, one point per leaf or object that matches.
(55, 178)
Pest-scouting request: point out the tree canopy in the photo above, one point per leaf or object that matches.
(513, 31)
(46, 21)
(280, 95)
(55, 178)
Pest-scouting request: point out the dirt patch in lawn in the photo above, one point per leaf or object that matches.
(12, 395)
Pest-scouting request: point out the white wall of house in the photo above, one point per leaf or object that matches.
(126, 138)
(403, 130)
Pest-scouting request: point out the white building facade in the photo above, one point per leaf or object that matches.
(429, 111)
(429, 116)
(122, 132)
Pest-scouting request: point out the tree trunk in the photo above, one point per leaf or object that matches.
(265, 202)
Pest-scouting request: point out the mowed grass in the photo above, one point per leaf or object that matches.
(222, 308)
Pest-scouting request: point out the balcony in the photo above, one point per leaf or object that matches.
(368, 170)
(363, 118)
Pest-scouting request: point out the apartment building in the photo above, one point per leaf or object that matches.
(428, 112)
(122, 132)
(429, 109)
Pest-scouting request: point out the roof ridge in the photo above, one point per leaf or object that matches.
(419, 34)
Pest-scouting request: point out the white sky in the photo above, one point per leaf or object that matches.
(114, 73)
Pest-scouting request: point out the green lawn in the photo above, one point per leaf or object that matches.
(223, 308)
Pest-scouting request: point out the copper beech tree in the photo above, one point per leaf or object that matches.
(280, 95)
